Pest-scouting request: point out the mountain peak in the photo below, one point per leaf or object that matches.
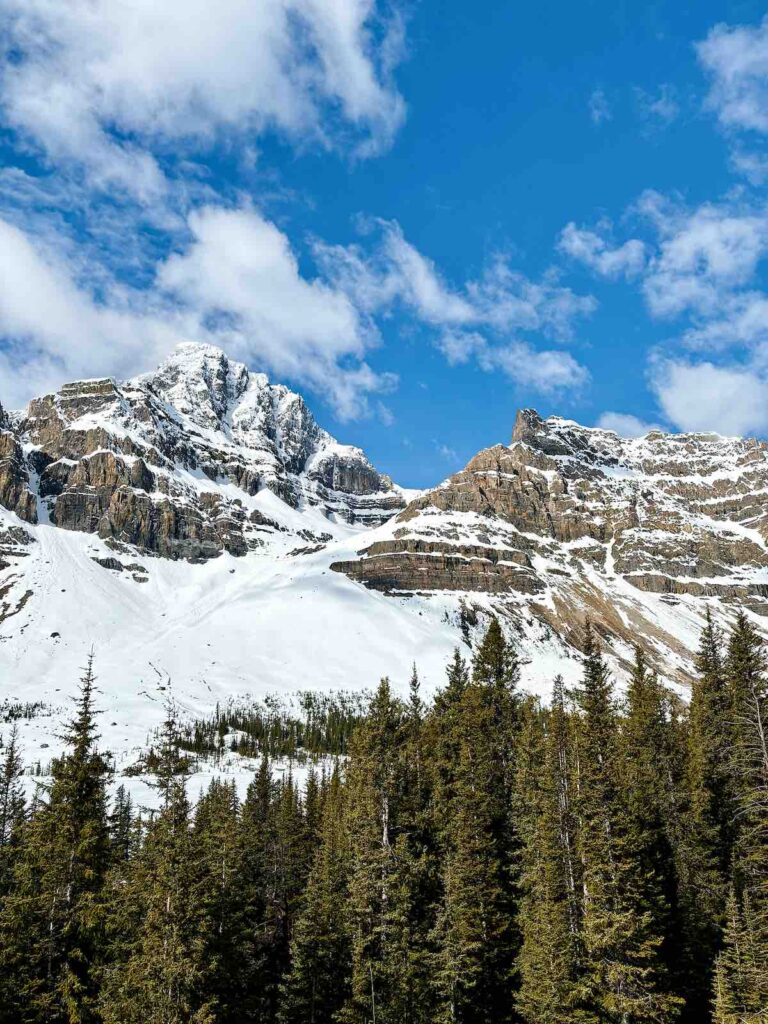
(527, 423)
(200, 382)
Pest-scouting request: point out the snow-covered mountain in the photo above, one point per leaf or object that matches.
(196, 527)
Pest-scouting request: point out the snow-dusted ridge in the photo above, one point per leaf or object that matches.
(199, 529)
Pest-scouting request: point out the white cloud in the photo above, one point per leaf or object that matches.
(702, 396)
(446, 452)
(599, 108)
(474, 320)
(703, 255)
(660, 108)
(740, 319)
(736, 59)
(394, 272)
(703, 266)
(625, 424)
(240, 265)
(547, 372)
(237, 283)
(59, 330)
(753, 165)
(592, 249)
(459, 347)
(107, 84)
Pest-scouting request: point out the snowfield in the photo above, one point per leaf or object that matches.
(269, 616)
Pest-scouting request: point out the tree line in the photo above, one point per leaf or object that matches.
(488, 859)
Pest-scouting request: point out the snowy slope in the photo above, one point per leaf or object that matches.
(257, 625)
(201, 533)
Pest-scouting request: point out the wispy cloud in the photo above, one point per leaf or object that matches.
(660, 108)
(474, 320)
(595, 251)
(736, 59)
(625, 424)
(599, 107)
(117, 88)
(700, 271)
(236, 283)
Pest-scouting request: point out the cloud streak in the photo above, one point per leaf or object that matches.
(236, 283)
(110, 86)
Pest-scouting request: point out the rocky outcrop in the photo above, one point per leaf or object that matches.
(564, 507)
(157, 462)
(15, 493)
(416, 565)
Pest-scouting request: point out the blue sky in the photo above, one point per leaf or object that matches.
(422, 215)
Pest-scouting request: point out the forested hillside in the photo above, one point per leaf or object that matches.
(602, 859)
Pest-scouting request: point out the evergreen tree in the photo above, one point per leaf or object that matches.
(476, 932)
(707, 828)
(548, 962)
(216, 856)
(52, 921)
(741, 981)
(122, 830)
(380, 893)
(318, 984)
(254, 837)
(162, 977)
(12, 809)
(651, 791)
(622, 978)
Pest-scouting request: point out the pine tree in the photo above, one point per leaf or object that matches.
(12, 809)
(475, 932)
(622, 972)
(740, 987)
(380, 980)
(548, 961)
(52, 921)
(707, 828)
(741, 980)
(162, 978)
(318, 984)
(216, 856)
(122, 831)
(457, 680)
(651, 792)
(254, 838)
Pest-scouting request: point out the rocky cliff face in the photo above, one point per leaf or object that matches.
(569, 521)
(202, 458)
(167, 462)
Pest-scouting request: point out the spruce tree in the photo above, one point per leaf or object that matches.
(475, 933)
(254, 838)
(122, 829)
(741, 979)
(622, 978)
(652, 795)
(12, 809)
(548, 961)
(163, 975)
(707, 827)
(52, 921)
(319, 980)
(216, 856)
(379, 895)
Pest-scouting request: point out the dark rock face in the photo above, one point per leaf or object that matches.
(141, 463)
(14, 479)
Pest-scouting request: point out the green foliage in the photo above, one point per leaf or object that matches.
(52, 919)
(483, 859)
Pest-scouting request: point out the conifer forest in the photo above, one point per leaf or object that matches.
(481, 858)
